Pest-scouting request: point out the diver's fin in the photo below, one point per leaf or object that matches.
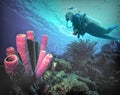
(111, 28)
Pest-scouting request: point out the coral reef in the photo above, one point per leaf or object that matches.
(63, 81)
(77, 72)
(59, 79)
(102, 68)
(80, 50)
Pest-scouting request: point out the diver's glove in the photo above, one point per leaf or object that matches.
(75, 32)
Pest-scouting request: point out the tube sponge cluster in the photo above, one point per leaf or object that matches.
(25, 55)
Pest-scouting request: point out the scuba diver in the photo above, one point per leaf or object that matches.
(83, 24)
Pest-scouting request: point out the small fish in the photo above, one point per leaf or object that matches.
(70, 8)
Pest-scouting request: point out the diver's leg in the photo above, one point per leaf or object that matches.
(95, 29)
(100, 32)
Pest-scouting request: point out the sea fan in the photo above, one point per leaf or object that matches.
(80, 50)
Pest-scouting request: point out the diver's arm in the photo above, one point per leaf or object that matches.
(76, 32)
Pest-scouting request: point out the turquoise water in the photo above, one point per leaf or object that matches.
(48, 17)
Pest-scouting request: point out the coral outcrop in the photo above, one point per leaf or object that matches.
(63, 83)
(79, 72)
(62, 80)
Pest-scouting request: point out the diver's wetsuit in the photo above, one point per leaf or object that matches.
(78, 23)
(83, 25)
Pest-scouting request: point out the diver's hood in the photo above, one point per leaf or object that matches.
(68, 15)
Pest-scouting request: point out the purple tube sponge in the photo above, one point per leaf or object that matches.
(21, 43)
(10, 50)
(43, 66)
(31, 48)
(40, 58)
(10, 63)
(30, 35)
(43, 42)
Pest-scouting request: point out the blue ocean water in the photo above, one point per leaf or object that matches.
(48, 17)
